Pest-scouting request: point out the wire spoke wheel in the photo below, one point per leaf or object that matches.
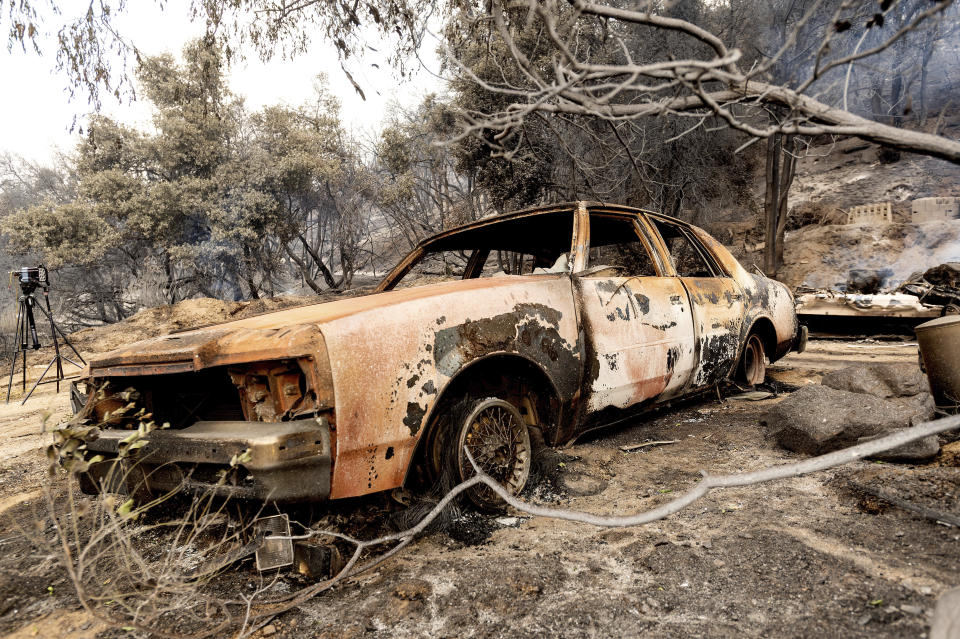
(753, 364)
(499, 442)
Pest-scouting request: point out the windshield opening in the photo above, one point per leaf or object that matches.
(527, 245)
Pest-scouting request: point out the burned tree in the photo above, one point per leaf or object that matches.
(595, 62)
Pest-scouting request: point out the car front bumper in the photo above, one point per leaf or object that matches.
(268, 461)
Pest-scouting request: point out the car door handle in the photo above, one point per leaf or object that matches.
(675, 299)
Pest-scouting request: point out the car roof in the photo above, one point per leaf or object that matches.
(542, 209)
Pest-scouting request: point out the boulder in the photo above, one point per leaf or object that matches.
(920, 405)
(881, 380)
(920, 450)
(818, 419)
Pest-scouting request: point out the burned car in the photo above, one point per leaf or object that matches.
(519, 330)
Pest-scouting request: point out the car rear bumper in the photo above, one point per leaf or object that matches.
(284, 461)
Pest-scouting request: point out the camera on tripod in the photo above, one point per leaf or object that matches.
(30, 279)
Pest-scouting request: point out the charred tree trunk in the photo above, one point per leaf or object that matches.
(780, 171)
(248, 269)
(771, 205)
(788, 166)
(927, 54)
(319, 263)
(304, 270)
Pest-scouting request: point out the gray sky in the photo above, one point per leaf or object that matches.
(36, 113)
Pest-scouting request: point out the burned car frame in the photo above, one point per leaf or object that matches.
(526, 328)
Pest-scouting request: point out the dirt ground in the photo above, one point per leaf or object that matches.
(805, 557)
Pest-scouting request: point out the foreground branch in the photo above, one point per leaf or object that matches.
(708, 483)
(250, 610)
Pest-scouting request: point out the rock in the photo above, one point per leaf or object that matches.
(817, 419)
(912, 610)
(921, 405)
(881, 380)
(920, 450)
(946, 616)
(269, 630)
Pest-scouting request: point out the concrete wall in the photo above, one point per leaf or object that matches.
(878, 213)
(933, 209)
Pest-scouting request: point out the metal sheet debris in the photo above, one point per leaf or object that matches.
(276, 551)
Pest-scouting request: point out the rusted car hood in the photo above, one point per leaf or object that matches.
(286, 333)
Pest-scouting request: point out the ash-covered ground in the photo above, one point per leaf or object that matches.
(805, 557)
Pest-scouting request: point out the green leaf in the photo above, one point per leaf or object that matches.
(125, 508)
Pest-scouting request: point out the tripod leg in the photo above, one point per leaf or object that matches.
(57, 329)
(31, 322)
(16, 351)
(53, 336)
(37, 383)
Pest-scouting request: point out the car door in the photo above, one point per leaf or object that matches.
(635, 314)
(716, 301)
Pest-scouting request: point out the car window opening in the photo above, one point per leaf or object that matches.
(530, 245)
(689, 258)
(617, 250)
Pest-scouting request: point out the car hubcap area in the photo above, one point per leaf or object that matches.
(754, 366)
(499, 442)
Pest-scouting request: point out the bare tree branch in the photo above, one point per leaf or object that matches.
(617, 85)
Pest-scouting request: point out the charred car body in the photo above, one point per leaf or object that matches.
(535, 327)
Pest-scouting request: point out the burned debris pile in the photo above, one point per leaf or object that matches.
(867, 299)
(938, 286)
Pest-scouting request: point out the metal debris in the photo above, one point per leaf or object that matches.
(277, 548)
(752, 396)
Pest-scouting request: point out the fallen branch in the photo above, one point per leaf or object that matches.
(247, 614)
(631, 447)
(708, 483)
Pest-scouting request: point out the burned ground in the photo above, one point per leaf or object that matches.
(804, 557)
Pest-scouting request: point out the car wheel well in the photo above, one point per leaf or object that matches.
(509, 377)
(765, 329)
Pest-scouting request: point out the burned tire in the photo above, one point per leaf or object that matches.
(752, 369)
(498, 440)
